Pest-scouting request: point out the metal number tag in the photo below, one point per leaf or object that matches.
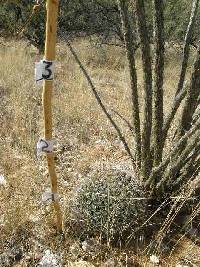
(44, 70)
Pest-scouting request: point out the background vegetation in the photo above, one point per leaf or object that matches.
(104, 175)
(88, 18)
(86, 148)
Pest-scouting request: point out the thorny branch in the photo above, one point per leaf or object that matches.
(147, 73)
(180, 87)
(129, 41)
(93, 88)
(158, 80)
(158, 171)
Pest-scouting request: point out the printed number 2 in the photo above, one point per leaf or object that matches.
(44, 144)
(48, 70)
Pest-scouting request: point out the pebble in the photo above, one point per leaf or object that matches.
(3, 181)
(154, 259)
(80, 263)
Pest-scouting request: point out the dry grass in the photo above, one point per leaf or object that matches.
(85, 140)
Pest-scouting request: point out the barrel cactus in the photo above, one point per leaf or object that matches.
(111, 205)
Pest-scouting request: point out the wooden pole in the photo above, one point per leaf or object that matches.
(50, 51)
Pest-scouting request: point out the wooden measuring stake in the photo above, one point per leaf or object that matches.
(50, 51)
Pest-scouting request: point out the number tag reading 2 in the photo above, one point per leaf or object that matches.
(44, 146)
(44, 70)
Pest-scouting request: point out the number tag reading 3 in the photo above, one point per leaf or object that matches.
(44, 70)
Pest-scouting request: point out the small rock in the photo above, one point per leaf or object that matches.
(154, 259)
(3, 181)
(49, 260)
(80, 264)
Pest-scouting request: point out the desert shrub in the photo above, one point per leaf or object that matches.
(111, 206)
(87, 18)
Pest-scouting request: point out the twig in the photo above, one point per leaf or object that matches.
(125, 120)
(187, 191)
(148, 220)
(177, 101)
(99, 101)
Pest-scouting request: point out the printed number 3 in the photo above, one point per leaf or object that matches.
(48, 70)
